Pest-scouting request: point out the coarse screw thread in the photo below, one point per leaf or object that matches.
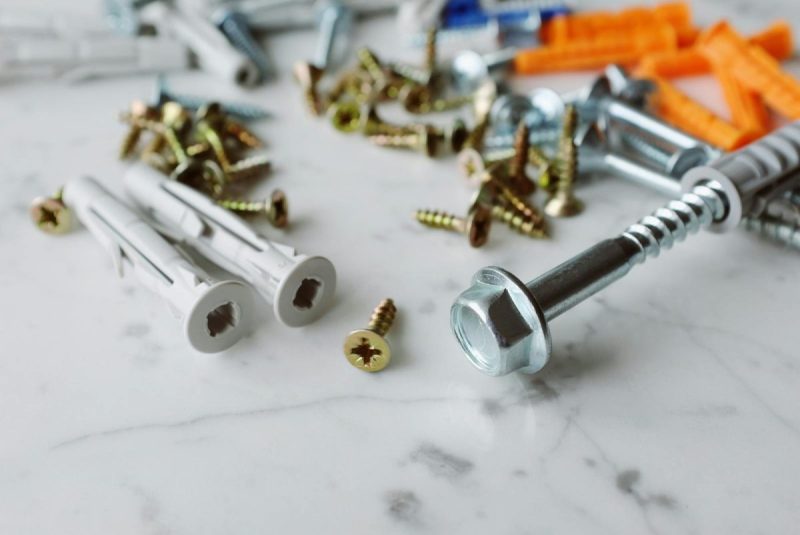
(562, 201)
(521, 157)
(235, 27)
(775, 229)
(439, 219)
(518, 221)
(249, 167)
(672, 223)
(529, 211)
(370, 62)
(430, 49)
(275, 208)
(382, 317)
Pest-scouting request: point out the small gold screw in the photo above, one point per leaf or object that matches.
(249, 167)
(370, 63)
(518, 221)
(308, 76)
(276, 208)
(346, 116)
(424, 140)
(50, 214)
(367, 349)
(139, 117)
(517, 165)
(562, 202)
(476, 226)
(430, 49)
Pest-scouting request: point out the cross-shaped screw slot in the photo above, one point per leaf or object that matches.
(366, 349)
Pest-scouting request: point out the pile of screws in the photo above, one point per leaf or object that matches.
(205, 150)
(502, 175)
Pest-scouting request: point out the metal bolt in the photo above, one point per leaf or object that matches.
(600, 102)
(562, 202)
(235, 26)
(51, 215)
(367, 349)
(276, 208)
(239, 110)
(502, 324)
(334, 22)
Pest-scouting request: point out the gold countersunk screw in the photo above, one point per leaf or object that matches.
(562, 202)
(138, 118)
(430, 49)
(50, 214)
(346, 116)
(276, 208)
(308, 76)
(482, 104)
(424, 139)
(250, 167)
(538, 159)
(475, 226)
(242, 134)
(367, 349)
(518, 177)
(210, 119)
(528, 211)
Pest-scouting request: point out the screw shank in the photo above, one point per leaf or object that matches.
(582, 276)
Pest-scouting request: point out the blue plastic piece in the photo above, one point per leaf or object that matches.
(468, 13)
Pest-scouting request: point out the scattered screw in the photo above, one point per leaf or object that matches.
(367, 349)
(236, 28)
(334, 21)
(140, 115)
(51, 215)
(424, 140)
(308, 76)
(476, 226)
(562, 202)
(275, 208)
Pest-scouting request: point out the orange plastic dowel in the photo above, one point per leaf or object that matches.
(591, 25)
(776, 40)
(679, 109)
(747, 108)
(752, 67)
(625, 49)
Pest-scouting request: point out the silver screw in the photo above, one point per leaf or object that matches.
(469, 69)
(234, 25)
(600, 103)
(239, 110)
(502, 324)
(775, 229)
(334, 21)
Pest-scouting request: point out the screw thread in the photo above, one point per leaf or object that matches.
(244, 135)
(241, 205)
(528, 210)
(567, 164)
(439, 219)
(238, 33)
(370, 62)
(521, 144)
(518, 221)
(537, 157)
(382, 317)
(644, 148)
(430, 49)
(129, 142)
(476, 136)
(249, 167)
(775, 229)
(672, 223)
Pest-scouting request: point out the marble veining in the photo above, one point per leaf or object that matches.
(670, 405)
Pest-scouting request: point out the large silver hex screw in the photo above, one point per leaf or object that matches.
(502, 324)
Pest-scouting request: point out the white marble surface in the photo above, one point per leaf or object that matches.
(671, 405)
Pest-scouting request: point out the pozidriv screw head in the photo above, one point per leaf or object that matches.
(51, 215)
